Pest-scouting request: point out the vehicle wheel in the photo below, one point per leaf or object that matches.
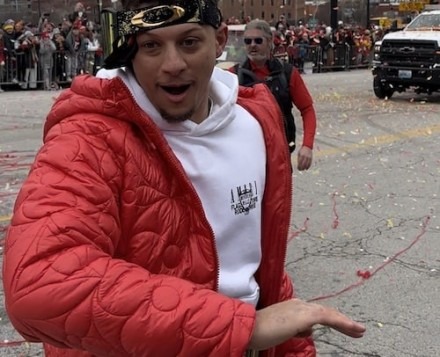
(381, 89)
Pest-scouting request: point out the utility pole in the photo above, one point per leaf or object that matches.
(334, 14)
(296, 12)
(243, 11)
(368, 15)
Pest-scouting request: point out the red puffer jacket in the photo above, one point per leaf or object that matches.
(109, 250)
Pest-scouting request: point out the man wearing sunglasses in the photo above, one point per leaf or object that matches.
(257, 40)
(285, 83)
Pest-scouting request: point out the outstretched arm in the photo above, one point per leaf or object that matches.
(295, 318)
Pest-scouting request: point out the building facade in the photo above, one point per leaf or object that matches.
(32, 10)
(269, 10)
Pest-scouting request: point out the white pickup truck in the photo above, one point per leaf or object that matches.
(409, 59)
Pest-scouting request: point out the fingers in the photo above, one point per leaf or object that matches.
(304, 158)
(304, 163)
(296, 318)
(351, 329)
(338, 321)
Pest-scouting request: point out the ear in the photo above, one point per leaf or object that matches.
(221, 39)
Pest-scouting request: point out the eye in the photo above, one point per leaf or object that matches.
(190, 42)
(150, 45)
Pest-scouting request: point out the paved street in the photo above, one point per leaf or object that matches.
(365, 228)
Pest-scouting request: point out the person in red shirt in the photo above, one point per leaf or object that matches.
(286, 85)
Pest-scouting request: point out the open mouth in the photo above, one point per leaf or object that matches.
(176, 90)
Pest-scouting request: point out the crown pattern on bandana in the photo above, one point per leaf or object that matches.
(174, 12)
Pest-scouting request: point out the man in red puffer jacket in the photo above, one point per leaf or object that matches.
(154, 220)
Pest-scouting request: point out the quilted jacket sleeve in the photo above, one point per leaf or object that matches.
(64, 286)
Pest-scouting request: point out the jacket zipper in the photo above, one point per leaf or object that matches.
(275, 289)
(172, 158)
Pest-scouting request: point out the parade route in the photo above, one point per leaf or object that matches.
(365, 234)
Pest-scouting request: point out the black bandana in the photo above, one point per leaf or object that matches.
(168, 13)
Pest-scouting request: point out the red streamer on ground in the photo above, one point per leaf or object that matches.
(336, 219)
(12, 343)
(296, 233)
(365, 275)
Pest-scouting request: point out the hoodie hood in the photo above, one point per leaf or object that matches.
(223, 92)
(111, 93)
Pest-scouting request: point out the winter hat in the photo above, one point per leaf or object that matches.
(8, 25)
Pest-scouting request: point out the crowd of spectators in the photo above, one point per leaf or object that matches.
(346, 45)
(49, 53)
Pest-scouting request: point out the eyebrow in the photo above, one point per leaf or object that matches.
(187, 32)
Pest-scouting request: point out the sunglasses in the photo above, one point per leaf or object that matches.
(257, 40)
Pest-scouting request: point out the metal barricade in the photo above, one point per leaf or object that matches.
(302, 55)
(22, 70)
(331, 58)
(360, 58)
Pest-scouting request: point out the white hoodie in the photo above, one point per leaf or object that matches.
(225, 159)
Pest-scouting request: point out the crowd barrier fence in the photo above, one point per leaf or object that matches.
(26, 70)
(335, 57)
(338, 57)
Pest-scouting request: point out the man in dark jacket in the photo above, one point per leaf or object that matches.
(285, 83)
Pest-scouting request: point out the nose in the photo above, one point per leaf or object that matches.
(173, 60)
